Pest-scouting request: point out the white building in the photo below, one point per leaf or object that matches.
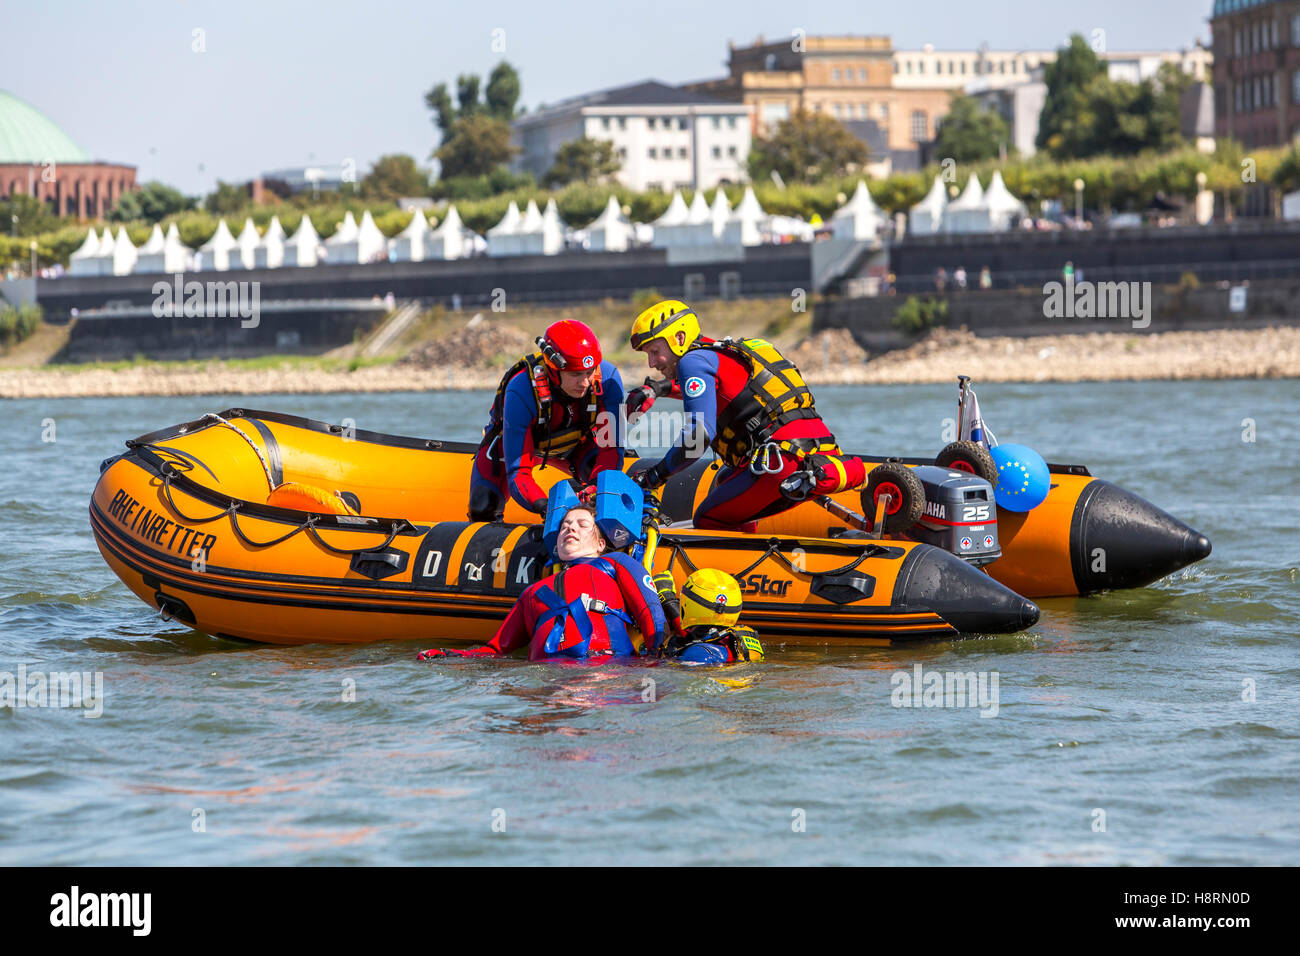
(931, 69)
(664, 137)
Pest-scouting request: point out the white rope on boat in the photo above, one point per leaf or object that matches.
(235, 428)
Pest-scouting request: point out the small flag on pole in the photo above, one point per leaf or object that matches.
(972, 423)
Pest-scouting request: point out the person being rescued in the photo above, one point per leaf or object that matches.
(703, 621)
(545, 412)
(747, 402)
(587, 609)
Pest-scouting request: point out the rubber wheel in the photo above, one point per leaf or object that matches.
(969, 456)
(904, 488)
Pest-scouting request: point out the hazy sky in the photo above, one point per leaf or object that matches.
(284, 83)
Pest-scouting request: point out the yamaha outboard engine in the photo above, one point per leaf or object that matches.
(960, 514)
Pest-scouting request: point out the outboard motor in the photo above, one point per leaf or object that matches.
(960, 514)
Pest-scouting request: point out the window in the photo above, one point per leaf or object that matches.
(835, 108)
(864, 110)
(1295, 29)
(717, 152)
(731, 122)
(604, 122)
(918, 126)
(681, 153)
(717, 122)
(681, 123)
(731, 151)
(920, 66)
(650, 122)
(622, 152)
(951, 68)
(963, 67)
(622, 123)
(884, 111)
(652, 153)
(896, 66)
(835, 76)
(862, 75)
(769, 62)
(908, 64)
(1273, 94)
(1295, 87)
(1002, 66)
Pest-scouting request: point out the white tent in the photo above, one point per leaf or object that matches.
(746, 222)
(611, 231)
(999, 207)
(104, 259)
(217, 249)
(926, 217)
(83, 261)
(408, 245)
(541, 233)
(364, 242)
(503, 238)
(123, 254)
(269, 253)
(303, 247)
(665, 227)
(859, 218)
(782, 229)
(966, 212)
(721, 212)
(448, 240)
(164, 253)
(243, 256)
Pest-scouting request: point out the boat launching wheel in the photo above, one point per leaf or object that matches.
(906, 496)
(969, 456)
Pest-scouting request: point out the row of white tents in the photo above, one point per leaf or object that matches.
(533, 232)
(975, 210)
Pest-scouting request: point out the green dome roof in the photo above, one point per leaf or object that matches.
(28, 137)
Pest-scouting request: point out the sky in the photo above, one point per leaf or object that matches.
(192, 92)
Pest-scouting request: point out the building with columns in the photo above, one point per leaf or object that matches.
(41, 160)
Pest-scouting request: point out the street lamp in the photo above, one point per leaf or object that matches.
(1078, 200)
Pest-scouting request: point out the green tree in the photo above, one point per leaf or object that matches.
(395, 176)
(475, 146)
(582, 161)
(502, 91)
(1116, 118)
(152, 202)
(806, 147)
(485, 123)
(969, 134)
(1065, 77)
(228, 198)
(24, 215)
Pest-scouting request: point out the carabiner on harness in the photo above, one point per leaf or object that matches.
(767, 459)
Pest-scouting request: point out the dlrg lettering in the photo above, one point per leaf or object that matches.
(158, 528)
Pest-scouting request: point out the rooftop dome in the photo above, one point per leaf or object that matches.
(28, 137)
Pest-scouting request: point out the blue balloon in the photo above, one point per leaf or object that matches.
(1023, 478)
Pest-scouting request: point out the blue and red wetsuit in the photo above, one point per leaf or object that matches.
(584, 611)
(578, 441)
(707, 382)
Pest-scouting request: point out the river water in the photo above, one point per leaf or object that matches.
(1158, 726)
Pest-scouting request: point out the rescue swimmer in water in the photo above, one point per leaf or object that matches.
(602, 596)
(748, 403)
(586, 609)
(545, 412)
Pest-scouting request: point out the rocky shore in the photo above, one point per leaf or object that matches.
(830, 357)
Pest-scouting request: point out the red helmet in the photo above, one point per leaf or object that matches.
(570, 346)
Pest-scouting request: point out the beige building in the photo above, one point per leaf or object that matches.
(903, 91)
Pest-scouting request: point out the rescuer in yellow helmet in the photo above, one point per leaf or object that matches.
(703, 620)
(749, 403)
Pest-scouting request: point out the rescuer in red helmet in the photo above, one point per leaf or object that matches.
(558, 405)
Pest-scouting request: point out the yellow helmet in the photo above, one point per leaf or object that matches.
(664, 320)
(712, 597)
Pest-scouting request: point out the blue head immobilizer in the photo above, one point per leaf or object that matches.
(619, 501)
